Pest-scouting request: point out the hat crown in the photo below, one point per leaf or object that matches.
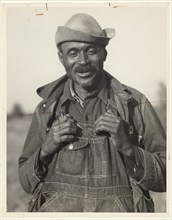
(85, 23)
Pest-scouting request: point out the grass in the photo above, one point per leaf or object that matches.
(17, 199)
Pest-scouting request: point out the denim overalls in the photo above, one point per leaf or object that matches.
(88, 176)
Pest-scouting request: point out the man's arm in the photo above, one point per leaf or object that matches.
(147, 163)
(29, 158)
(153, 151)
(40, 148)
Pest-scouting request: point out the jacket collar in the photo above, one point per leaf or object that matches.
(49, 91)
(120, 89)
(45, 91)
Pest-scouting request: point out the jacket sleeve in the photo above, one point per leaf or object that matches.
(153, 150)
(29, 159)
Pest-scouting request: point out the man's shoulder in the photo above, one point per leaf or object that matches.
(136, 93)
(125, 91)
(50, 93)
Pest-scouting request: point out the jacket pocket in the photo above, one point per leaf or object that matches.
(123, 204)
(48, 197)
(37, 199)
(142, 202)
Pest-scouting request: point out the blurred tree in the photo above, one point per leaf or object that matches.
(162, 104)
(17, 110)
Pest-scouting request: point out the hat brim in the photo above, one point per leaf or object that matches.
(65, 34)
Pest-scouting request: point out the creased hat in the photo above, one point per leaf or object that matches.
(83, 28)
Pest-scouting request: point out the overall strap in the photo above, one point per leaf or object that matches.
(120, 105)
(56, 115)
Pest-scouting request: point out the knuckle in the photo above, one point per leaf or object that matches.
(65, 137)
(54, 133)
(68, 129)
(53, 128)
(100, 123)
(102, 126)
(64, 117)
(118, 119)
(56, 140)
(68, 123)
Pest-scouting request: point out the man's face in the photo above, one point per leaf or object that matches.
(83, 62)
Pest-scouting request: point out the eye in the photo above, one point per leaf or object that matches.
(73, 53)
(92, 50)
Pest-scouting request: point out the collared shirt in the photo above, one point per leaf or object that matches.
(74, 95)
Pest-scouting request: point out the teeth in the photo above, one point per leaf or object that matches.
(84, 74)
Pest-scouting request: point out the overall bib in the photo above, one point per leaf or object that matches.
(88, 176)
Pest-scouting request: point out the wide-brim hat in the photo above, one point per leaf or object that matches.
(83, 28)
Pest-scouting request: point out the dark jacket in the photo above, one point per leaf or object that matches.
(132, 105)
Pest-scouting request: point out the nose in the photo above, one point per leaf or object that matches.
(83, 58)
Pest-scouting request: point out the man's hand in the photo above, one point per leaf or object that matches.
(64, 129)
(114, 125)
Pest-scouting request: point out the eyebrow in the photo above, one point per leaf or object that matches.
(85, 47)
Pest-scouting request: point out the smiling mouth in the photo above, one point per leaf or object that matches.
(85, 74)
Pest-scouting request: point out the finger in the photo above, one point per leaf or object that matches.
(99, 119)
(111, 116)
(105, 127)
(114, 112)
(64, 138)
(67, 130)
(113, 121)
(107, 116)
(110, 113)
(63, 119)
(64, 125)
(107, 124)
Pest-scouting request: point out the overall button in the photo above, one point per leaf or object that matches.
(70, 147)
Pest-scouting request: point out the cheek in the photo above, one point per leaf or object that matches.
(97, 60)
(98, 63)
(68, 64)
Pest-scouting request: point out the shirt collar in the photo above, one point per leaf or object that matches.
(74, 95)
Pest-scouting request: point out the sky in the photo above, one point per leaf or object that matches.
(137, 55)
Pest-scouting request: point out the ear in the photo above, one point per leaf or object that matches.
(105, 54)
(60, 55)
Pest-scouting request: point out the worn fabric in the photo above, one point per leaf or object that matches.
(90, 173)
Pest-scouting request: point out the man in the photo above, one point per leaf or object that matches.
(94, 145)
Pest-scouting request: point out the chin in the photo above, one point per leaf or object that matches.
(87, 83)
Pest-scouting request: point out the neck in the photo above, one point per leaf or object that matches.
(81, 92)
